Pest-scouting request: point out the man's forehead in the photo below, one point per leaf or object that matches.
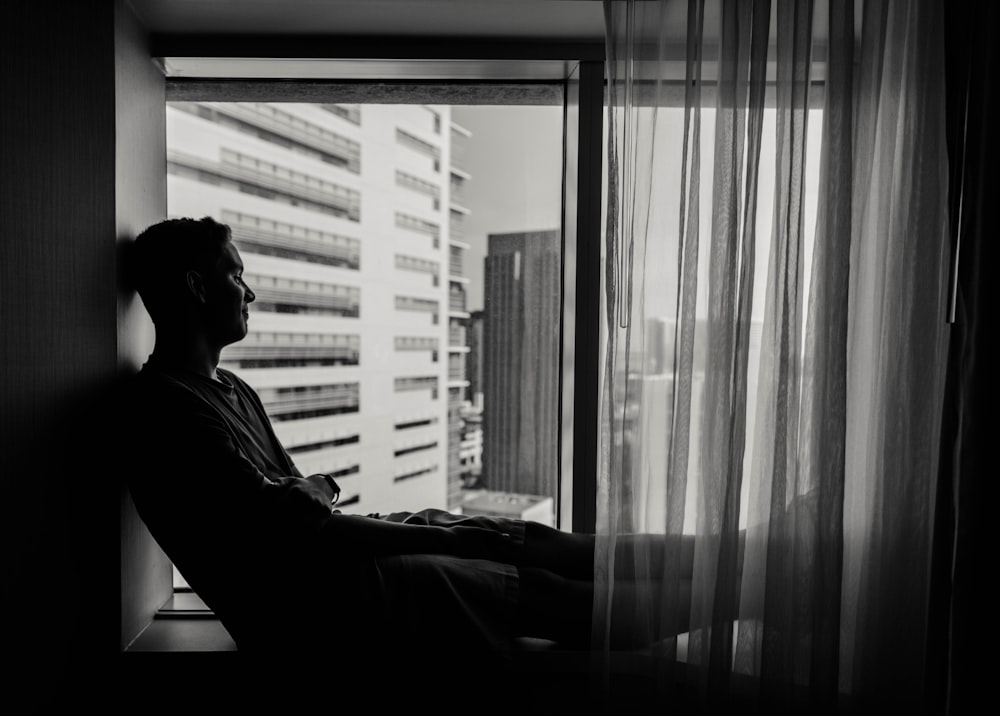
(230, 257)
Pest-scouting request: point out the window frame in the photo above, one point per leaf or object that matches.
(493, 68)
(520, 72)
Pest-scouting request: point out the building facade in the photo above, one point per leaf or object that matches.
(521, 342)
(348, 222)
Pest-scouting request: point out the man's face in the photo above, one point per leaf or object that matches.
(227, 298)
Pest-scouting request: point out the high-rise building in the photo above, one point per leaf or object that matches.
(521, 337)
(348, 224)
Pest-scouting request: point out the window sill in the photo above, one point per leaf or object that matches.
(183, 625)
(186, 625)
(187, 647)
(184, 635)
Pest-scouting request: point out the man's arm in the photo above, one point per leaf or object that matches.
(313, 492)
(208, 474)
(185, 464)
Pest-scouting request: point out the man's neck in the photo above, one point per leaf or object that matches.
(194, 356)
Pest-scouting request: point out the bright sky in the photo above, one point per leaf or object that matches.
(515, 158)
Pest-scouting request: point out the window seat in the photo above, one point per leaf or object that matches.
(183, 625)
(187, 647)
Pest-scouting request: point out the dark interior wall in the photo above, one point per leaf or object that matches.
(140, 191)
(57, 297)
(965, 598)
(68, 122)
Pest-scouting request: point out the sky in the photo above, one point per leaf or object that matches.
(514, 157)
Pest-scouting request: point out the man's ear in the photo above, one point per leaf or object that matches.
(195, 285)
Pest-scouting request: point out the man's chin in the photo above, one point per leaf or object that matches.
(238, 335)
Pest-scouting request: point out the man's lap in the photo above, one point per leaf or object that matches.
(441, 518)
(449, 603)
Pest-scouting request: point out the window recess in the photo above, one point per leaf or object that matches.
(575, 86)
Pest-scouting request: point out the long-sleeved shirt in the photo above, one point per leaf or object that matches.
(211, 481)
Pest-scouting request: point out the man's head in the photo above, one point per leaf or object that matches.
(189, 274)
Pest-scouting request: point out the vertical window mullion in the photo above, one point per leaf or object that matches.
(582, 225)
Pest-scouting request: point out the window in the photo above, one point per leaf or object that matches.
(410, 449)
(349, 112)
(418, 423)
(334, 442)
(418, 185)
(419, 265)
(428, 149)
(409, 474)
(379, 282)
(421, 383)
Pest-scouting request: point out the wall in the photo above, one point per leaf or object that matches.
(140, 198)
(60, 345)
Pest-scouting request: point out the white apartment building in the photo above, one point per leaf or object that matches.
(345, 219)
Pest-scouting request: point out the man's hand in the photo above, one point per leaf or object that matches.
(326, 485)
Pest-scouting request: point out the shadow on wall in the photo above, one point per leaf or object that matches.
(65, 516)
(62, 502)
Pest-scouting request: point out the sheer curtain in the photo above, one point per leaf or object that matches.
(774, 349)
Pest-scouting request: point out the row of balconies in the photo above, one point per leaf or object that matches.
(248, 116)
(322, 248)
(271, 178)
(350, 112)
(310, 401)
(287, 300)
(250, 356)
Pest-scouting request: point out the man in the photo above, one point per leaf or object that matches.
(413, 596)
(262, 544)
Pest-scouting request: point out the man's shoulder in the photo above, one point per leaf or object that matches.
(231, 377)
(155, 388)
(151, 378)
(158, 388)
(240, 385)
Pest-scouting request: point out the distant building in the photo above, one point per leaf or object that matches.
(474, 359)
(521, 339)
(506, 504)
(471, 446)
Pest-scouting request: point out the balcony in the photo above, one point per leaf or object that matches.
(456, 336)
(456, 301)
(304, 300)
(248, 355)
(316, 247)
(310, 401)
(247, 172)
(331, 146)
(418, 265)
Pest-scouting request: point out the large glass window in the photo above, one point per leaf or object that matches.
(408, 263)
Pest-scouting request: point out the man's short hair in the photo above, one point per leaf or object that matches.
(162, 255)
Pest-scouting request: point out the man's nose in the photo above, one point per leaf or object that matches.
(250, 296)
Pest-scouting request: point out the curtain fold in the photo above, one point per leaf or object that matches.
(774, 349)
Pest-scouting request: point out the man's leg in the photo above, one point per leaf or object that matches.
(571, 554)
(554, 607)
(568, 554)
(550, 606)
